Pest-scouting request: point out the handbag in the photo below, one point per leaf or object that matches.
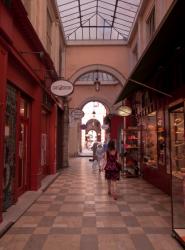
(118, 165)
(111, 166)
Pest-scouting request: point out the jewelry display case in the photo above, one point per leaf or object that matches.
(150, 140)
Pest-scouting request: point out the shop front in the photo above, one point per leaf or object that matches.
(159, 81)
(26, 119)
(177, 150)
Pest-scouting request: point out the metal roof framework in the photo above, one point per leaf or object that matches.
(98, 19)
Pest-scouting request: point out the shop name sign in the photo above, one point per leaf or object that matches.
(62, 88)
(77, 114)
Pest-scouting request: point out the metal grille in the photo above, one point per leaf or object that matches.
(91, 77)
(10, 147)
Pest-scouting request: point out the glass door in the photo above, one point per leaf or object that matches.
(22, 157)
(23, 143)
(177, 137)
(45, 143)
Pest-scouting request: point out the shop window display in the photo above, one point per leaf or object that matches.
(132, 152)
(150, 140)
(161, 138)
(177, 137)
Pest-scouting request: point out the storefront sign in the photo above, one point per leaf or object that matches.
(77, 114)
(62, 88)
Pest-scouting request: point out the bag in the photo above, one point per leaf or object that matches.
(119, 166)
(111, 166)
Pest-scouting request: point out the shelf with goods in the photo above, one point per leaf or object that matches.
(132, 149)
(150, 142)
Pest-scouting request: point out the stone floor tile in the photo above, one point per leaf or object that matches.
(75, 213)
(89, 242)
(115, 242)
(62, 242)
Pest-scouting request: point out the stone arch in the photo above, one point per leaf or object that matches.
(99, 67)
(107, 105)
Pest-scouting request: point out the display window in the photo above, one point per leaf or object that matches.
(177, 149)
(161, 138)
(150, 139)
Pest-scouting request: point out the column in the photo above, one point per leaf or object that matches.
(52, 140)
(65, 160)
(36, 171)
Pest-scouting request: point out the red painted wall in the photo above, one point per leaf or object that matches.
(26, 72)
(116, 123)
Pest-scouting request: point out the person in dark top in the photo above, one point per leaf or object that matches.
(112, 169)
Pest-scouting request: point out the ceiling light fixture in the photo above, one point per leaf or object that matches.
(97, 82)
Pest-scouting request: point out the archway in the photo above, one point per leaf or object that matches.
(94, 113)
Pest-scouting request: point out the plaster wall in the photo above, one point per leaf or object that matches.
(140, 35)
(78, 57)
(37, 13)
(81, 56)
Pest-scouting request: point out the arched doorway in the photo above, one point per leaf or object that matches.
(94, 113)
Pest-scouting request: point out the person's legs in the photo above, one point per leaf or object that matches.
(109, 186)
(114, 188)
(99, 165)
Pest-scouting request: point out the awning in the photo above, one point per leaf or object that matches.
(168, 37)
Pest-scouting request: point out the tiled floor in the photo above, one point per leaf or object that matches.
(75, 213)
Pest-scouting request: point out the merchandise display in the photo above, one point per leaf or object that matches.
(132, 146)
(150, 140)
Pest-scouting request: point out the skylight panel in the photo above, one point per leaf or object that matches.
(98, 19)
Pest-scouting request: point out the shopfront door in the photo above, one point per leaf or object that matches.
(22, 157)
(23, 146)
(45, 143)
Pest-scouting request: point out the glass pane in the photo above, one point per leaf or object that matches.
(9, 146)
(178, 168)
(113, 15)
(150, 140)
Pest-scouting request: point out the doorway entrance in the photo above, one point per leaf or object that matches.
(94, 114)
(23, 170)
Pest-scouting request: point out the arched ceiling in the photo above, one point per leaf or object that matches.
(98, 19)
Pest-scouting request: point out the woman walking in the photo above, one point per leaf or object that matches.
(112, 169)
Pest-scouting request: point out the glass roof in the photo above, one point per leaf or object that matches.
(98, 19)
(91, 77)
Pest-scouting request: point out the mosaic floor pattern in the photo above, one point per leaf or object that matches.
(75, 213)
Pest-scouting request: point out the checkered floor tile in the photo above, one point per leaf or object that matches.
(75, 213)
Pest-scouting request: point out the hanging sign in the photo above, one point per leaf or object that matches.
(124, 111)
(77, 114)
(62, 88)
